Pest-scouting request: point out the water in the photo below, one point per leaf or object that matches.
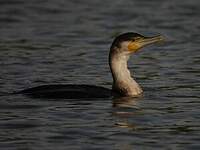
(44, 42)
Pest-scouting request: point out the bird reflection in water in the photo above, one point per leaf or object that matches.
(124, 109)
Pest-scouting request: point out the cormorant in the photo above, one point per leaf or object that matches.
(122, 47)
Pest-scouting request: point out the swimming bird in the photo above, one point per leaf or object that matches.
(123, 46)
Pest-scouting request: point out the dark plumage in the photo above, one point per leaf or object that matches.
(67, 91)
(129, 36)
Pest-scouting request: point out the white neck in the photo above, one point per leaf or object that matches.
(123, 83)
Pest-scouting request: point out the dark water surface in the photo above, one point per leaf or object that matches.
(67, 41)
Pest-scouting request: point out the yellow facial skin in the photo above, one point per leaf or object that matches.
(134, 46)
(140, 42)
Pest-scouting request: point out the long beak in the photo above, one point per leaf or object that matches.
(141, 42)
(149, 40)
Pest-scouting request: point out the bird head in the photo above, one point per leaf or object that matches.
(130, 42)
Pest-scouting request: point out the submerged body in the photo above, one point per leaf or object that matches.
(68, 91)
(123, 84)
